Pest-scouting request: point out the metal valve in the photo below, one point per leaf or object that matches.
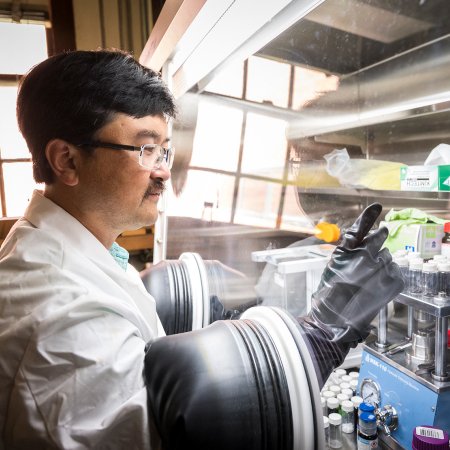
(387, 418)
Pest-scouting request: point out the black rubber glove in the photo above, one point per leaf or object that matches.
(358, 281)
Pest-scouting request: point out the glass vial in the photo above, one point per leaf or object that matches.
(326, 431)
(403, 263)
(354, 386)
(348, 417)
(335, 421)
(334, 388)
(415, 276)
(333, 405)
(356, 400)
(430, 279)
(367, 432)
(444, 277)
(341, 398)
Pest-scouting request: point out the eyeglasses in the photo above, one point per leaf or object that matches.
(151, 156)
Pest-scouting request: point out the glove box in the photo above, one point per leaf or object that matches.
(290, 277)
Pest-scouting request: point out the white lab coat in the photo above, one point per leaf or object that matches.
(73, 327)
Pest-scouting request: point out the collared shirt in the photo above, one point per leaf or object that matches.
(73, 328)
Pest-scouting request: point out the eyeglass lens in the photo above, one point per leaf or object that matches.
(153, 155)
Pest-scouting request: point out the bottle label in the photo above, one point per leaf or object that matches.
(367, 444)
(430, 432)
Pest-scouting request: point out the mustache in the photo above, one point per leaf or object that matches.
(156, 187)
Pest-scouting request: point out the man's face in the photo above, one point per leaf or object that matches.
(114, 186)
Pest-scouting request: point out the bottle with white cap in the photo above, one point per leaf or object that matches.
(356, 400)
(346, 378)
(337, 375)
(354, 375)
(334, 388)
(344, 385)
(348, 416)
(328, 394)
(341, 398)
(348, 392)
(332, 405)
(439, 258)
(354, 386)
(335, 421)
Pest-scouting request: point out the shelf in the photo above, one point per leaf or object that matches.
(426, 304)
(402, 195)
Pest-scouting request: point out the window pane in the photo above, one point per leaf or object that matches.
(19, 185)
(206, 195)
(268, 81)
(258, 203)
(293, 214)
(264, 146)
(229, 81)
(311, 84)
(217, 137)
(12, 144)
(21, 47)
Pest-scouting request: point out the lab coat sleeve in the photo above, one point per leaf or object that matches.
(80, 383)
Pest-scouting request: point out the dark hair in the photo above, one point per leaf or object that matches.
(72, 95)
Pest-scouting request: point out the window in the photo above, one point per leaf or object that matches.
(21, 47)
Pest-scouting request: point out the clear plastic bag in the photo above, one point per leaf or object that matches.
(363, 173)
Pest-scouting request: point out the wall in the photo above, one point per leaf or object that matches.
(123, 24)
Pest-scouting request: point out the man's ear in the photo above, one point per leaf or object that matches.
(63, 158)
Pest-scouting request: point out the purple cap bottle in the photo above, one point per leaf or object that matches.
(427, 437)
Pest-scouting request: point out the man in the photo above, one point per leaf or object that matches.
(75, 319)
(75, 316)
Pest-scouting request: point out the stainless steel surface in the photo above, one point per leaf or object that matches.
(441, 348)
(382, 341)
(422, 349)
(425, 304)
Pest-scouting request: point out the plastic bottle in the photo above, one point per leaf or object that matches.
(354, 375)
(333, 405)
(335, 421)
(348, 392)
(413, 255)
(328, 394)
(367, 432)
(439, 258)
(444, 277)
(337, 375)
(430, 279)
(334, 388)
(341, 397)
(346, 378)
(326, 430)
(415, 276)
(348, 417)
(445, 247)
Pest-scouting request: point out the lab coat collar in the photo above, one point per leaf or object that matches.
(44, 214)
(47, 215)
